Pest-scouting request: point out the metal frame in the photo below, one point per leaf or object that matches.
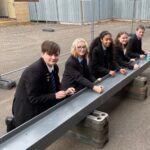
(44, 129)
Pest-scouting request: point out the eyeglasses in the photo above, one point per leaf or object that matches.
(80, 47)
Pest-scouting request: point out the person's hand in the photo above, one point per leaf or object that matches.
(60, 94)
(142, 56)
(98, 89)
(136, 66)
(99, 79)
(123, 71)
(132, 59)
(70, 91)
(112, 73)
(146, 52)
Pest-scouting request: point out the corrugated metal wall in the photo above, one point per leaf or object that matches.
(78, 11)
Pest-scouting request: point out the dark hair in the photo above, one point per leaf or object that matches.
(117, 42)
(50, 48)
(140, 27)
(96, 41)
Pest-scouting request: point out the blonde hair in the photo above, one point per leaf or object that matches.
(75, 44)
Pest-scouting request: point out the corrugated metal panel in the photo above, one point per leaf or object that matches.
(106, 9)
(32, 11)
(44, 10)
(40, 10)
(127, 10)
(51, 10)
(145, 10)
(69, 11)
(123, 9)
(90, 10)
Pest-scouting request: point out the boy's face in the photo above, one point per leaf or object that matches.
(50, 60)
(140, 33)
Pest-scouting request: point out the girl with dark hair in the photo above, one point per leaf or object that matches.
(120, 52)
(101, 60)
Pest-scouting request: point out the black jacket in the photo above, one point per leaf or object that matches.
(99, 63)
(33, 94)
(134, 48)
(120, 58)
(77, 75)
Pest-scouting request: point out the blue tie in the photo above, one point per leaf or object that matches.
(53, 84)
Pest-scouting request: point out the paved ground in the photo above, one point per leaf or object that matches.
(20, 46)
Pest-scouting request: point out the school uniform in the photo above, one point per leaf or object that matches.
(101, 61)
(76, 74)
(121, 58)
(134, 47)
(35, 92)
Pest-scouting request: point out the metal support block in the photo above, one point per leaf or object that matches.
(97, 120)
(7, 84)
(139, 93)
(139, 81)
(138, 96)
(93, 129)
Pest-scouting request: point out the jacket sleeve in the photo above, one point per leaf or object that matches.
(33, 87)
(130, 49)
(121, 59)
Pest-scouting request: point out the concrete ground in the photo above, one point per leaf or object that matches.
(129, 127)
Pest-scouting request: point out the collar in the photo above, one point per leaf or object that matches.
(104, 48)
(50, 69)
(80, 59)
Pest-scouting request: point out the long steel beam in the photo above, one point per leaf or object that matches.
(44, 129)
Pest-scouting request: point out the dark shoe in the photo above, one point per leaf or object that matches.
(10, 123)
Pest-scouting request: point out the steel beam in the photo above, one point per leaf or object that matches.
(45, 128)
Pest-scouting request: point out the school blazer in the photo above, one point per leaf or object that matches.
(33, 94)
(120, 58)
(134, 47)
(76, 75)
(99, 64)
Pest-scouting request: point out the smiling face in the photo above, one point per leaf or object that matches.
(106, 40)
(50, 60)
(140, 33)
(81, 49)
(123, 39)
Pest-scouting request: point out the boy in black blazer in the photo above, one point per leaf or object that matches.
(134, 47)
(39, 86)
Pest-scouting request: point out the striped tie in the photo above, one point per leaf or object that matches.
(53, 84)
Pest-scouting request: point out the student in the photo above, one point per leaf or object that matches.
(134, 48)
(101, 60)
(76, 72)
(39, 86)
(120, 50)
